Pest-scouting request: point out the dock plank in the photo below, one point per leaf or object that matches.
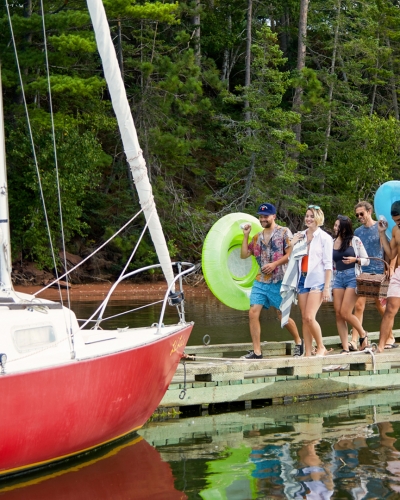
(216, 379)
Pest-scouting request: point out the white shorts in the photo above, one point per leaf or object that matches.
(394, 285)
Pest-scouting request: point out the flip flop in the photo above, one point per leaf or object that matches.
(391, 346)
(353, 346)
(362, 340)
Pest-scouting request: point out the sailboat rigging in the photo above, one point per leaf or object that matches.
(55, 405)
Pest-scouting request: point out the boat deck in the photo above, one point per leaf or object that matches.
(215, 374)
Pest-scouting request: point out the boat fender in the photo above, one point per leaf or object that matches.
(386, 194)
(229, 277)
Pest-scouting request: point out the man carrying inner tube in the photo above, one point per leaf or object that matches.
(392, 250)
(270, 247)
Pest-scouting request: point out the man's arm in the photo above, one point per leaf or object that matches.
(271, 266)
(392, 265)
(390, 248)
(244, 251)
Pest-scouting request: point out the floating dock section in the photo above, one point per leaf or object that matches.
(214, 375)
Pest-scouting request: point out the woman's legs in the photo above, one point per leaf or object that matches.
(338, 295)
(309, 304)
(302, 299)
(346, 311)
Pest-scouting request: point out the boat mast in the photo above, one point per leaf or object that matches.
(5, 253)
(129, 137)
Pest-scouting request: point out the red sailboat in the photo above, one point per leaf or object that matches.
(65, 390)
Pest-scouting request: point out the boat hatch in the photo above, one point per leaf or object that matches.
(28, 339)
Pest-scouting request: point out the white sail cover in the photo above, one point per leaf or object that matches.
(130, 141)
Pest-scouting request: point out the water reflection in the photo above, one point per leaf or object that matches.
(337, 448)
(133, 470)
(223, 324)
(331, 448)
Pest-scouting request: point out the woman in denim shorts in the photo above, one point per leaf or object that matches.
(315, 270)
(349, 255)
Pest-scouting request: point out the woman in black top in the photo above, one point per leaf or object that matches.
(348, 256)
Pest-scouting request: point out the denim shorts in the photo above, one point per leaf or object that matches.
(266, 294)
(345, 279)
(301, 288)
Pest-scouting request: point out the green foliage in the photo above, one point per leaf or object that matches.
(212, 145)
(265, 139)
(79, 158)
(158, 11)
(369, 157)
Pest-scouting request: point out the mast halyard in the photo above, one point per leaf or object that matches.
(5, 250)
(129, 137)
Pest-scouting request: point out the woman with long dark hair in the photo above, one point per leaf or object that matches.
(349, 255)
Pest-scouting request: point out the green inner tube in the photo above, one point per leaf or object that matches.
(229, 277)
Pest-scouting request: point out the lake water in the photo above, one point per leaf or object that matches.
(223, 324)
(339, 448)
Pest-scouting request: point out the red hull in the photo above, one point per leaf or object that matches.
(49, 414)
(131, 471)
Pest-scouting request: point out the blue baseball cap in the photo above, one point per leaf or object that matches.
(266, 209)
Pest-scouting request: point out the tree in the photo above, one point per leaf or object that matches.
(270, 140)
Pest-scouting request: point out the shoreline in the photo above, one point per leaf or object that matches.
(124, 291)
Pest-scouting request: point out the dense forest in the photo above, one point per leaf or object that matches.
(236, 102)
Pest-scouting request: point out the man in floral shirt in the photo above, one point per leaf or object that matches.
(270, 247)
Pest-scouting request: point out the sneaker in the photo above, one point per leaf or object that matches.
(252, 355)
(299, 349)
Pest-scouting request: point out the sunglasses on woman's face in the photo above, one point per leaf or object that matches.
(317, 207)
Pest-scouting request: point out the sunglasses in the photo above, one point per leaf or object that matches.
(343, 217)
(317, 207)
(360, 214)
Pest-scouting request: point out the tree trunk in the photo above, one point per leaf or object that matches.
(247, 113)
(330, 93)
(196, 33)
(225, 63)
(249, 182)
(393, 85)
(119, 50)
(28, 38)
(247, 78)
(283, 35)
(301, 61)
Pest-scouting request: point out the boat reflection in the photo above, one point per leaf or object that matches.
(332, 448)
(131, 470)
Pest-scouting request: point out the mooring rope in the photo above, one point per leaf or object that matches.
(371, 350)
(182, 394)
(38, 351)
(194, 357)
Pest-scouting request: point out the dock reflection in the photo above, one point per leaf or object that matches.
(331, 448)
(131, 470)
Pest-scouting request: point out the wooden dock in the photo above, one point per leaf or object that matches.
(217, 376)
